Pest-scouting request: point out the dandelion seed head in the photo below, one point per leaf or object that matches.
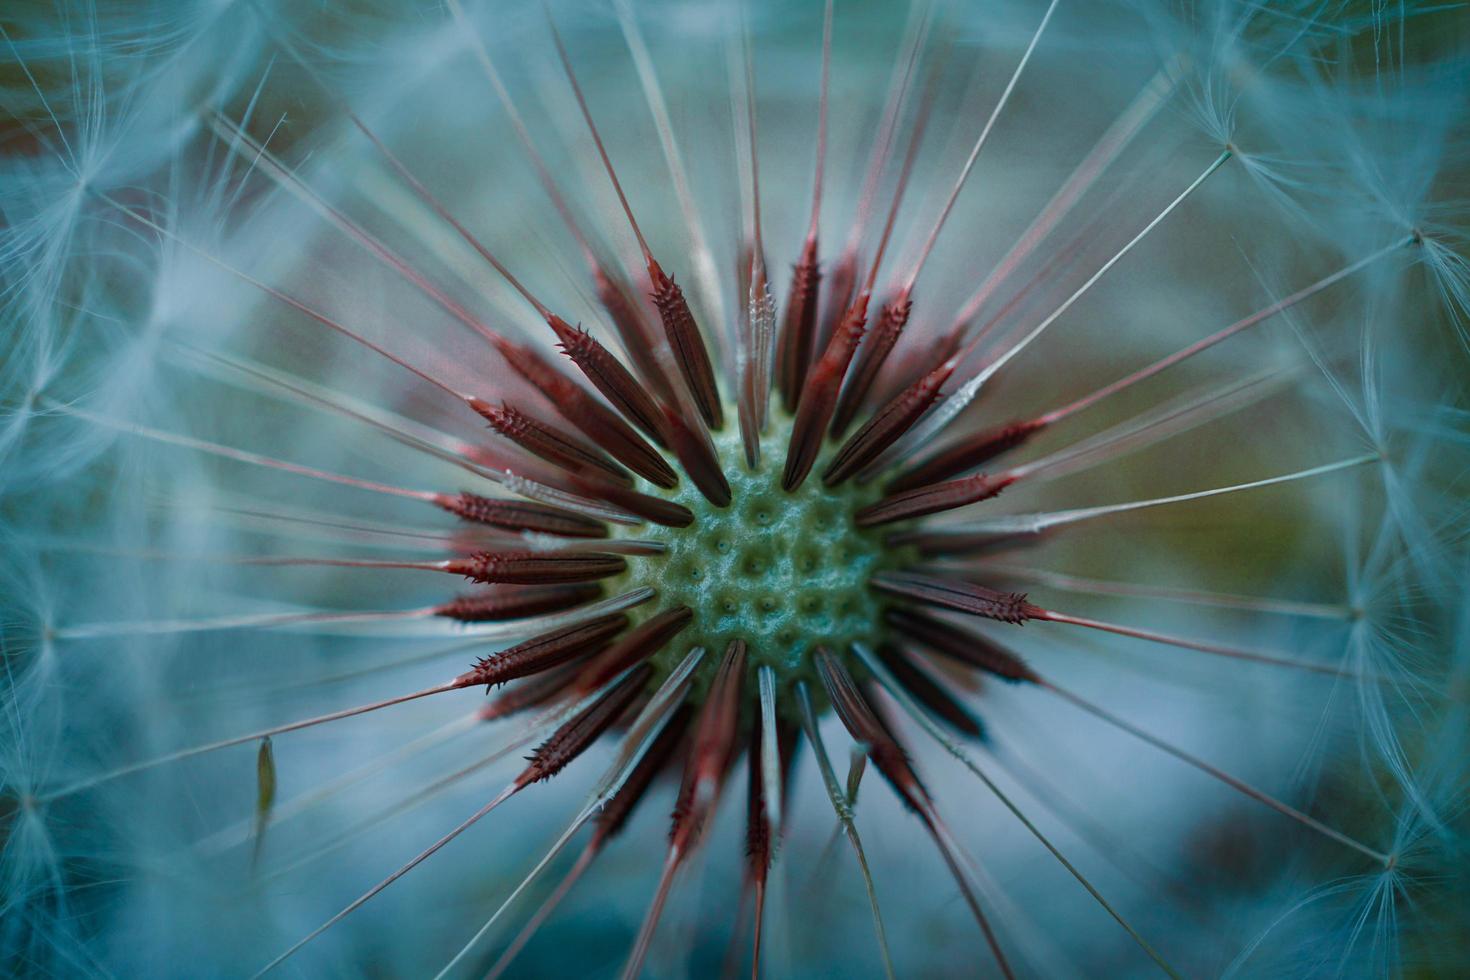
(1102, 496)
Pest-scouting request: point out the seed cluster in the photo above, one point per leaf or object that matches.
(785, 572)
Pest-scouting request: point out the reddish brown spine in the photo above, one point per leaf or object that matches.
(543, 652)
(887, 425)
(929, 692)
(799, 326)
(517, 515)
(960, 645)
(638, 339)
(968, 453)
(965, 597)
(699, 460)
(577, 734)
(877, 345)
(515, 602)
(593, 419)
(634, 647)
(932, 499)
(687, 345)
(536, 567)
(613, 817)
(546, 442)
(608, 376)
(819, 397)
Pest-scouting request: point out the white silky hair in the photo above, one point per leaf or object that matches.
(152, 156)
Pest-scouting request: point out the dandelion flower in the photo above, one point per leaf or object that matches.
(489, 488)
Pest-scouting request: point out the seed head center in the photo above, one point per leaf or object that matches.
(782, 571)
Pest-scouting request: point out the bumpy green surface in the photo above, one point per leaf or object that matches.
(783, 571)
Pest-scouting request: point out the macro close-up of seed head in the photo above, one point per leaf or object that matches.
(625, 488)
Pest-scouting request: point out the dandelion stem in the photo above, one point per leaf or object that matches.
(1118, 135)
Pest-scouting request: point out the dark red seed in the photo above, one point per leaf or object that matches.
(608, 376)
(842, 289)
(877, 345)
(929, 692)
(699, 459)
(712, 751)
(515, 602)
(634, 647)
(516, 515)
(646, 506)
(864, 726)
(638, 339)
(543, 652)
(965, 597)
(687, 344)
(577, 734)
(968, 453)
(529, 692)
(933, 499)
(819, 397)
(536, 567)
(593, 419)
(798, 327)
(960, 645)
(887, 425)
(546, 442)
(614, 816)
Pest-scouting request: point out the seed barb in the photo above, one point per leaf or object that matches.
(933, 499)
(712, 749)
(638, 339)
(929, 692)
(876, 347)
(605, 427)
(546, 442)
(613, 817)
(819, 397)
(966, 597)
(536, 567)
(578, 733)
(515, 602)
(960, 645)
(699, 459)
(609, 376)
(967, 453)
(690, 353)
(887, 425)
(648, 507)
(799, 325)
(634, 647)
(543, 652)
(865, 727)
(516, 515)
